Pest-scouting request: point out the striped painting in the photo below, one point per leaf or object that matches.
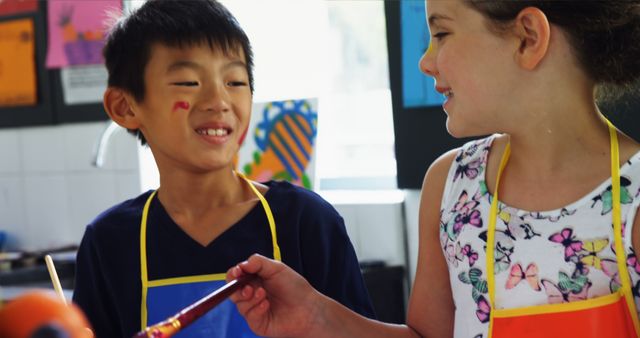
(280, 142)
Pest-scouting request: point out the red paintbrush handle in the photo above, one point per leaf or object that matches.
(188, 315)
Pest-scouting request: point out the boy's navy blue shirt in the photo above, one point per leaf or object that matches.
(311, 235)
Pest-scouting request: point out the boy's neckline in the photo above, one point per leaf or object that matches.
(178, 230)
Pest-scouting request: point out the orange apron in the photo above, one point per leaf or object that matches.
(613, 315)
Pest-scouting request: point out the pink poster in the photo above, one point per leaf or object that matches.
(77, 30)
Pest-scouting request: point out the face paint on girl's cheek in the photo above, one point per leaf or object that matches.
(243, 136)
(180, 105)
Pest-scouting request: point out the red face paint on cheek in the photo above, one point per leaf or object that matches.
(243, 136)
(181, 105)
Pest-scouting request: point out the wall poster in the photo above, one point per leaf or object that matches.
(280, 142)
(17, 63)
(77, 31)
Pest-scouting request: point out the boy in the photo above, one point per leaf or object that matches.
(180, 78)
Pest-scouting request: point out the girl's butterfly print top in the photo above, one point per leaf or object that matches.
(541, 257)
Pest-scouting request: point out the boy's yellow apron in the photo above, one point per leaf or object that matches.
(613, 315)
(165, 297)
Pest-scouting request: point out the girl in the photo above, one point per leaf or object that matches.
(553, 255)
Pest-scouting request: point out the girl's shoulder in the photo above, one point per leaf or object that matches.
(471, 159)
(471, 154)
(479, 148)
(466, 166)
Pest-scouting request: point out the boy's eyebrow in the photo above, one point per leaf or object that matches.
(236, 63)
(183, 64)
(196, 66)
(434, 18)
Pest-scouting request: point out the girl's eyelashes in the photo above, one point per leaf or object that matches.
(440, 35)
(186, 83)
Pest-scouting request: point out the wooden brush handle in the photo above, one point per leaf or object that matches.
(188, 315)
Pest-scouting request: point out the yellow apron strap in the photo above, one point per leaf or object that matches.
(623, 273)
(491, 231)
(143, 262)
(143, 253)
(267, 210)
(617, 229)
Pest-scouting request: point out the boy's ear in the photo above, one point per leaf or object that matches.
(117, 105)
(532, 29)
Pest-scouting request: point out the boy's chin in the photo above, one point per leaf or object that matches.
(215, 165)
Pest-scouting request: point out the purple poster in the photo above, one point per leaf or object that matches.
(77, 30)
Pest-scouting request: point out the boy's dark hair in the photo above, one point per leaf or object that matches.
(604, 34)
(173, 23)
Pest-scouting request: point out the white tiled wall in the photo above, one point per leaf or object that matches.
(411, 207)
(375, 223)
(49, 190)
(10, 152)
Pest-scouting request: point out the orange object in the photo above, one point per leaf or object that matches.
(604, 320)
(69, 33)
(24, 315)
(17, 63)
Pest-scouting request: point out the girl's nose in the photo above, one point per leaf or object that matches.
(427, 62)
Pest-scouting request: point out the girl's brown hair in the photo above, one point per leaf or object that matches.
(604, 34)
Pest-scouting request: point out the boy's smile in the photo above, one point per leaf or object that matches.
(215, 133)
(197, 106)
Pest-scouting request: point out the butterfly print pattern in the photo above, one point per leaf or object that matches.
(633, 263)
(471, 255)
(566, 291)
(467, 166)
(474, 278)
(466, 213)
(606, 198)
(517, 274)
(483, 310)
(566, 238)
(540, 257)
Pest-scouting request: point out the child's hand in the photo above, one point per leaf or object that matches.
(280, 302)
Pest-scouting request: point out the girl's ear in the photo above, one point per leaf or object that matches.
(532, 29)
(116, 104)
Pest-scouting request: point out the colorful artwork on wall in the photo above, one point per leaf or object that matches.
(17, 63)
(280, 142)
(76, 31)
